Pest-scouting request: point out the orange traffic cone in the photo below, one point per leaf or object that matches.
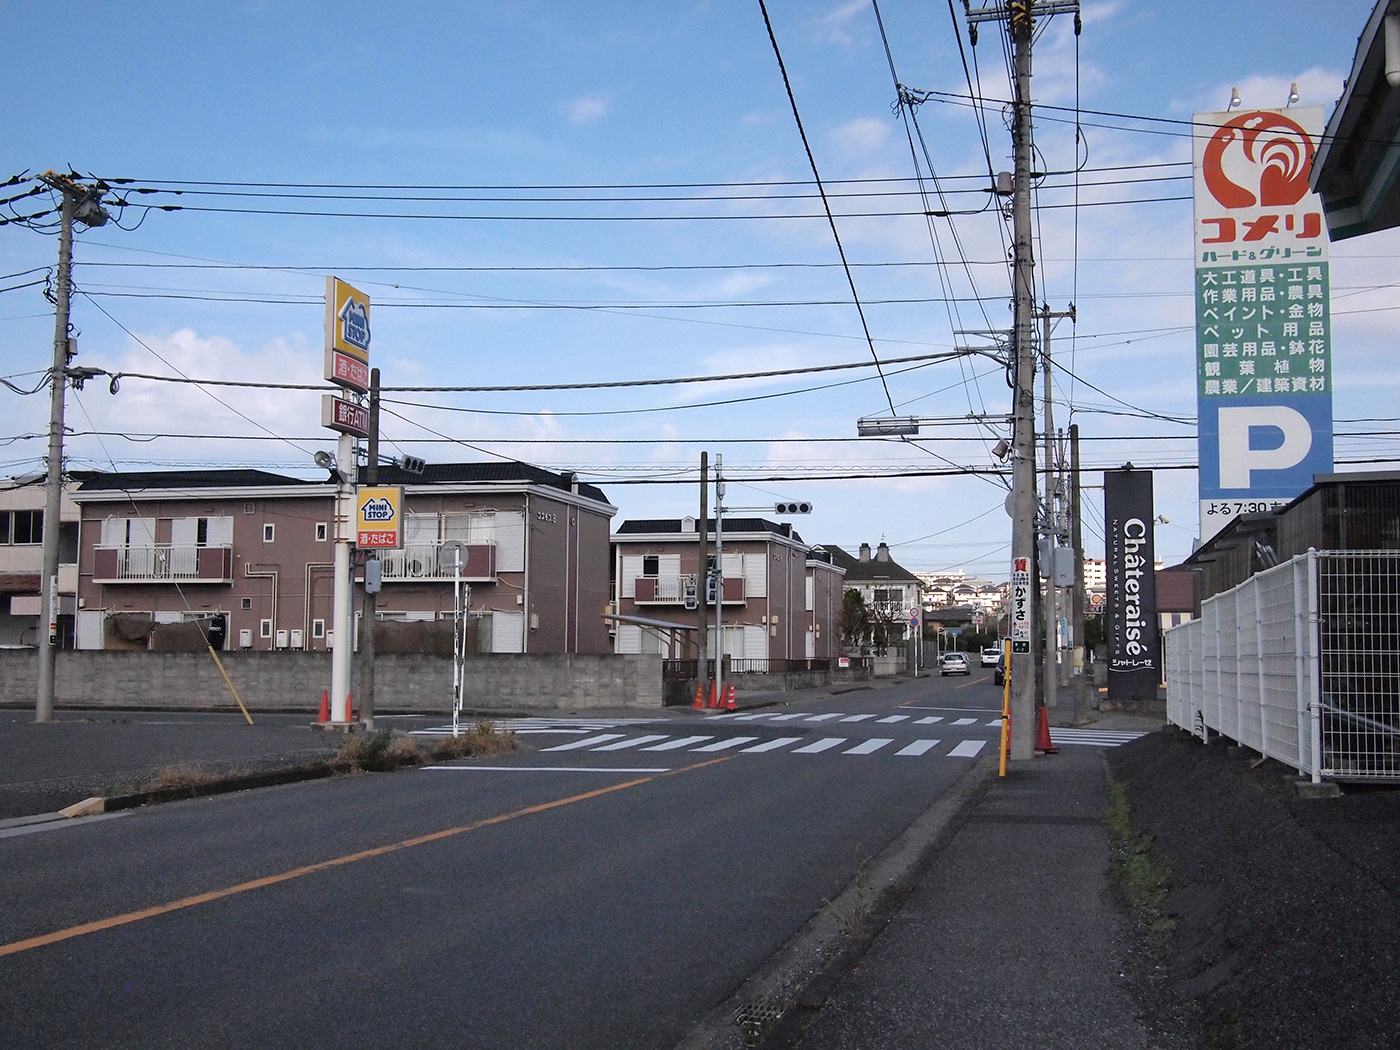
(729, 704)
(713, 702)
(1043, 743)
(325, 715)
(351, 714)
(699, 704)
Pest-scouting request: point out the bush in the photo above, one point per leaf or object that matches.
(481, 739)
(377, 752)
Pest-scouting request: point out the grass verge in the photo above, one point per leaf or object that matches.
(1142, 881)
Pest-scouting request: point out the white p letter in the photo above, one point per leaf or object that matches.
(1237, 459)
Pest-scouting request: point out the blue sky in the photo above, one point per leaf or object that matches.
(522, 287)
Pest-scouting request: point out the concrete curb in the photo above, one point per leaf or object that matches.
(778, 1002)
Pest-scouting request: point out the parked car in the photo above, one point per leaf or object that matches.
(990, 655)
(999, 675)
(954, 663)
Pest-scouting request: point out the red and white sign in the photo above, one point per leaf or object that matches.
(348, 417)
(1252, 196)
(344, 370)
(1021, 605)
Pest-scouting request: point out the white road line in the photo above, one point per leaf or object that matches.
(891, 718)
(869, 746)
(964, 722)
(968, 749)
(672, 745)
(789, 718)
(752, 718)
(826, 718)
(622, 745)
(856, 718)
(929, 720)
(918, 747)
(550, 769)
(586, 742)
(770, 745)
(995, 722)
(725, 745)
(817, 747)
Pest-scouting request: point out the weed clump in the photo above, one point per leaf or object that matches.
(1142, 881)
(378, 752)
(482, 739)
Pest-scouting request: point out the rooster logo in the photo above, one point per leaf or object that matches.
(1269, 152)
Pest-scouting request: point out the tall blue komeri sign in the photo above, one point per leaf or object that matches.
(1263, 313)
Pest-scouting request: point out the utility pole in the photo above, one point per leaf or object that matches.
(1053, 524)
(719, 580)
(1076, 614)
(83, 204)
(1018, 16)
(369, 601)
(702, 577)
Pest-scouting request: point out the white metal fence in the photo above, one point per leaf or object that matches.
(1300, 662)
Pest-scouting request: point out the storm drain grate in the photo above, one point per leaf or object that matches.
(756, 1020)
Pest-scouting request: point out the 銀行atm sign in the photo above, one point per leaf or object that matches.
(378, 517)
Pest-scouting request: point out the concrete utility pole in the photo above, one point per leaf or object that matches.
(702, 578)
(1053, 526)
(719, 580)
(370, 602)
(84, 204)
(1019, 18)
(1076, 539)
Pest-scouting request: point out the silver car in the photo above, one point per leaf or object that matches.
(954, 663)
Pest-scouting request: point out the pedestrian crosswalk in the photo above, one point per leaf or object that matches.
(537, 726)
(753, 745)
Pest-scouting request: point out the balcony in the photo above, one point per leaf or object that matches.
(670, 590)
(418, 562)
(163, 563)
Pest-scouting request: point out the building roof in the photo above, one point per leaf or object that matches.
(184, 479)
(858, 571)
(501, 472)
(672, 527)
(508, 472)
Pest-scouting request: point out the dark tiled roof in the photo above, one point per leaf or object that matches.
(857, 570)
(485, 473)
(672, 526)
(184, 479)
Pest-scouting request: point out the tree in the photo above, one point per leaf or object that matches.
(855, 626)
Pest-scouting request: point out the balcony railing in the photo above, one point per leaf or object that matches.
(670, 590)
(419, 561)
(163, 563)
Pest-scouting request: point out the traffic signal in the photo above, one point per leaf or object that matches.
(792, 508)
(411, 465)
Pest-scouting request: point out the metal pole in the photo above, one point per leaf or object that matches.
(48, 640)
(1023, 724)
(369, 603)
(702, 577)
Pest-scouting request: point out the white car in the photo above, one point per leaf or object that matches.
(990, 655)
(954, 663)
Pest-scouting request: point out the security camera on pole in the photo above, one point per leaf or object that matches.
(347, 365)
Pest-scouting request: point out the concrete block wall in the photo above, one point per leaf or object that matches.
(294, 681)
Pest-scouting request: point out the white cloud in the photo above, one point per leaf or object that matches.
(864, 135)
(835, 27)
(587, 109)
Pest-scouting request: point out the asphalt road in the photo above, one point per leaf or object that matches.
(562, 897)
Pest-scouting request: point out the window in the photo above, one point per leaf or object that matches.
(321, 533)
(651, 565)
(247, 603)
(264, 628)
(318, 628)
(269, 532)
(250, 508)
(22, 526)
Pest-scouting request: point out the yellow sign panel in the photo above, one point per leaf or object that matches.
(347, 320)
(378, 518)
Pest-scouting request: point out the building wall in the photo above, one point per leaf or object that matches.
(287, 583)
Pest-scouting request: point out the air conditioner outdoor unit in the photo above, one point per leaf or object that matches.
(296, 639)
(245, 638)
(281, 640)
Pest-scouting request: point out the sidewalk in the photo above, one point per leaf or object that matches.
(1011, 936)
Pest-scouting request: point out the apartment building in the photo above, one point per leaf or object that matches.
(22, 562)
(249, 555)
(781, 597)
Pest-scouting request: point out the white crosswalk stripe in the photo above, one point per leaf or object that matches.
(856, 718)
(725, 745)
(770, 745)
(918, 747)
(826, 743)
(622, 745)
(930, 720)
(869, 747)
(1093, 737)
(578, 745)
(674, 745)
(963, 722)
(891, 718)
(968, 749)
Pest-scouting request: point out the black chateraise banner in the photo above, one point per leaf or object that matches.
(1130, 616)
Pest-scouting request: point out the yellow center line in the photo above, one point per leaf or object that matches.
(97, 926)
